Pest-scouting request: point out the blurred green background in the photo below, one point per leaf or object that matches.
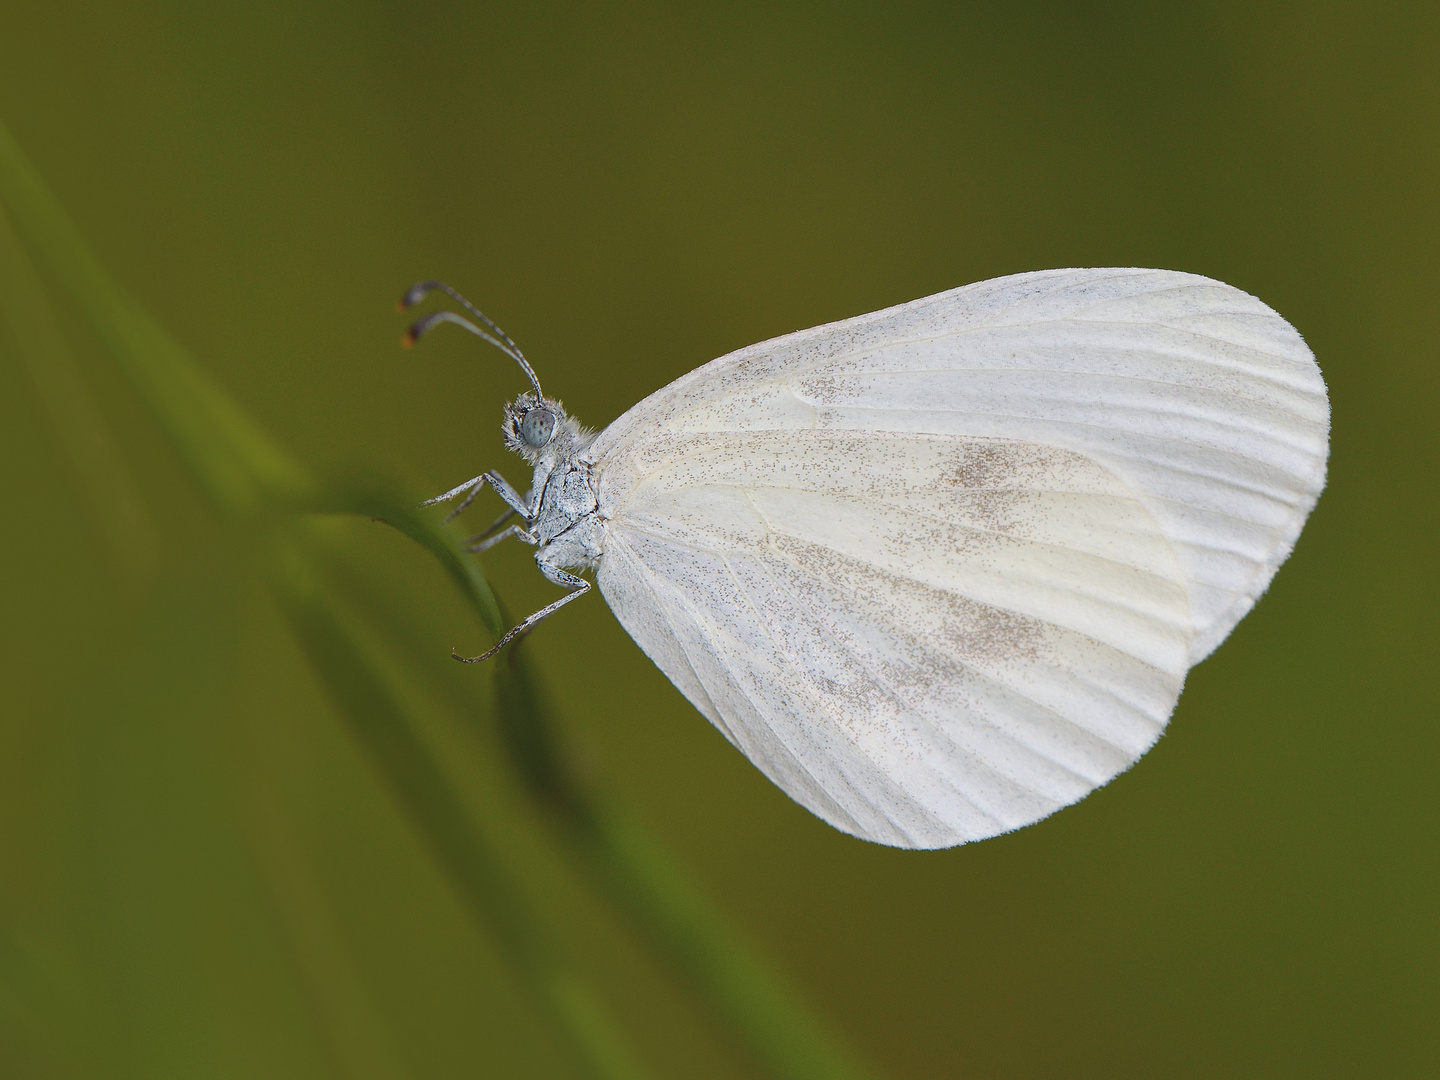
(200, 875)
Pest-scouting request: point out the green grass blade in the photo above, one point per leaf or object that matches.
(67, 402)
(235, 460)
(353, 1027)
(372, 497)
(750, 1000)
(381, 726)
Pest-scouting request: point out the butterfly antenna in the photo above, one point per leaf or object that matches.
(420, 327)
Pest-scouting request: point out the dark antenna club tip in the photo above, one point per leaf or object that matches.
(500, 340)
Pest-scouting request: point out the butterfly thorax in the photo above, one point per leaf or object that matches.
(564, 501)
(563, 515)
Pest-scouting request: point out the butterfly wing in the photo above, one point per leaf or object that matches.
(940, 570)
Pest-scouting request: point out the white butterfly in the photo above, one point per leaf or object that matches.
(940, 570)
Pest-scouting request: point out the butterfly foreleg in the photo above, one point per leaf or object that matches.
(574, 582)
(521, 504)
(518, 503)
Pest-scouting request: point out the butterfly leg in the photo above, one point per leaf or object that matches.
(492, 528)
(560, 577)
(471, 488)
(485, 541)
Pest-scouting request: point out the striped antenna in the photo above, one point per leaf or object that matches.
(422, 326)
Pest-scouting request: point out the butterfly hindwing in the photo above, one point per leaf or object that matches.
(924, 639)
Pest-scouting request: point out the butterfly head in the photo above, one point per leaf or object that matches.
(538, 428)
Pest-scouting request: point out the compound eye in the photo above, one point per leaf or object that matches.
(538, 427)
